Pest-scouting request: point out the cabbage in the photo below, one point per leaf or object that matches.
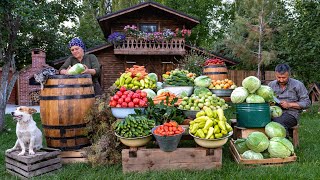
(241, 146)
(159, 85)
(253, 98)
(257, 141)
(161, 91)
(239, 95)
(251, 83)
(265, 154)
(274, 129)
(276, 111)
(251, 155)
(202, 81)
(76, 69)
(280, 147)
(266, 92)
(150, 93)
(153, 77)
(200, 90)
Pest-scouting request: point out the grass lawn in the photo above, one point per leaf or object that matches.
(305, 168)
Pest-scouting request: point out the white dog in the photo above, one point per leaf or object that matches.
(27, 132)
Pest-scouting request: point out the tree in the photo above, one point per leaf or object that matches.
(251, 35)
(25, 25)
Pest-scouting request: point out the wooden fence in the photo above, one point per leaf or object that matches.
(238, 75)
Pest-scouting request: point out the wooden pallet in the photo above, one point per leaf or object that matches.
(44, 161)
(143, 159)
(270, 161)
(76, 156)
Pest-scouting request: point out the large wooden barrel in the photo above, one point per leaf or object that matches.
(64, 102)
(216, 72)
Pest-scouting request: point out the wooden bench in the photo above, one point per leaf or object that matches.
(240, 132)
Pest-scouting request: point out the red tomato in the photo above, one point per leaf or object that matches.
(136, 105)
(142, 103)
(113, 103)
(143, 94)
(145, 99)
(119, 93)
(136, 101)
(123, 96)
(125, 93)
(138, 91)
(124, 104)
(116, 97)
(123, 89)
(130, 104)
(118, 105)
(120, 101)
(127, 100)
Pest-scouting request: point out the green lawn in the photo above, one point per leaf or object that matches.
(306, 166)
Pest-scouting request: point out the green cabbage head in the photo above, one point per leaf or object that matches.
(280, 147)
(202, 81)
(274, 129)
(266, 92)
(76, 69)
(276, 111)
(153, 77)
(251, 83)
(251, 155)
(241, 146)
(239, 95)
(253, 98)
(257, 141)
(150, 93)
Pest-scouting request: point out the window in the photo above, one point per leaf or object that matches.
(148, 28)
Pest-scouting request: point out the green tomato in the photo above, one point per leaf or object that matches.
(207, 104)
(187, 107)
(197, 108)
(184, 103)
(200, 105)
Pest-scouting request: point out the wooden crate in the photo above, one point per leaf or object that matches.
(143, 159)
(45, 160)
(240, 132)
(76, 156)
(270, 161)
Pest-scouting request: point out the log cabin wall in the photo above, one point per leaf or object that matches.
(162, 19)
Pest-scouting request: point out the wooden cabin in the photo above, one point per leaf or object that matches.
(156, 57)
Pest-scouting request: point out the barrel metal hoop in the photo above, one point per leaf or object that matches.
(68, 148)
(69, 76)
(214, 66)
(66, 138)
(68, 86)
(84, 96)
(64, 127)
(206, 73)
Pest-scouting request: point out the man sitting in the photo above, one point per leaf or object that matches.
(292, 94)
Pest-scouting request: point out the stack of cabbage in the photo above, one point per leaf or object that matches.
(253, 92)
(258, 146)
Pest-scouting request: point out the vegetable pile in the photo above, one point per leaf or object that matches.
(222, 84)
(260, 146)
(168, 129)
(214, 61)
(127, 98)
(134, 126)
(210, 124)
(178, 78)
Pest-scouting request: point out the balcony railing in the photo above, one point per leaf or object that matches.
(133, 46)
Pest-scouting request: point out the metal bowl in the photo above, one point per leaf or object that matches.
(121, 113)
(222, 92)
(135, 142)
(177, 90)
(211, 143)
(190, 113)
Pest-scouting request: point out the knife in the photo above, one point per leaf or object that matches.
(276, 100)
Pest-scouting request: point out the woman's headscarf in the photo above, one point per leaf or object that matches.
(76, 42)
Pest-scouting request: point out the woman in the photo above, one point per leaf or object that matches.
(89, 61)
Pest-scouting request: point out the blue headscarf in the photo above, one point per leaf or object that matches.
(76, 42)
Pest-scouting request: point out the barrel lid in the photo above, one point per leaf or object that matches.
(69, 76)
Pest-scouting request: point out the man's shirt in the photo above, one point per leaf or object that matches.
(294, 91)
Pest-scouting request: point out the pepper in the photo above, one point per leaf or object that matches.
(229, 128)
(216, 129)
(212, 136)
(117, 83)
(219, 135)
(222, 125)
(224, 132)
(142, 82)
(208, 124)
(122, 79)
(201, 119)
(200, 114)
(220, 114)
(210, 132)
(136, 83)
(128, 80)
(194, 128)
(200, 133)
(209, 112)
(202, 124)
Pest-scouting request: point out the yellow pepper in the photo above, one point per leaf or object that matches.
(229, 128)
(200, 113)
(216, 129)
(220, 114)
(219, 135)
(222, 125)
(209, 112)
(200, 133)
(210, 132)
(208, 124)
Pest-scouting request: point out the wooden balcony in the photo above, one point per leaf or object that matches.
(133, 46)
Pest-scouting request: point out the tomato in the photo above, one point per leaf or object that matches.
(113, 103)
(120, 101)
(119, 93)
(138, 91)
(127, 100)
(118, 105)
(125, 93)
(124, 104)
(123, 96)
(145, 99)
(142, 103)
(143, 94)
(123, 89)
(136, 101)
(116, 97)
(130, 104)
(136, 105)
